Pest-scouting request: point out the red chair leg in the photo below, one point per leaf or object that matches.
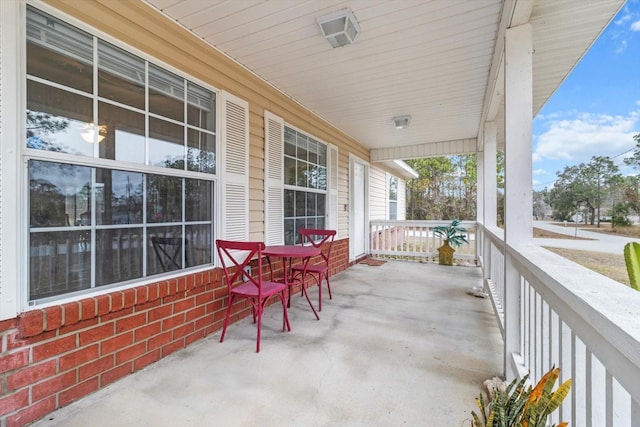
(285, 316)
(226, 318)
(259, 329)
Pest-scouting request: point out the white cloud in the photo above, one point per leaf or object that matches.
(621, 47)
(635, 26)
(540, 172)
(578, 138)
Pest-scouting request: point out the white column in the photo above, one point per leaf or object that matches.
(518, 123)
(518, 192)
(489, 194)
(480, 238)
(490, 175)
(12, 236)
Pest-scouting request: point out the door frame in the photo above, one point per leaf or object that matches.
(352, 223)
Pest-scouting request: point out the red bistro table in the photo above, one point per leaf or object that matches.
(288, 252)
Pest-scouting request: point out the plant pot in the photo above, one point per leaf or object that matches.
(445, 254)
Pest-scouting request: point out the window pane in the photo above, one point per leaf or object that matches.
(59, 262)
(59, 194)
(118, 255)
(120, 75)
(302, 143)
(166, 93)
(59, 52)
(322, 155)
(289, 142)
(303, 174)
(201, 151)
(120, 200)
(311, 204)
(123, 133)
(313, 151)
(166, 144)
(393, 210)
(289, 232)
(198, 200)
(321, 178)
(201, 104)
(300, 204)
(58, 120)
(320, 209)
(164, 198)
(199, 244)
(393, 188)
(164, 249)
(289, 203)
(289, 171)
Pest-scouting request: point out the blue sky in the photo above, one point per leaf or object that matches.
(596, 110)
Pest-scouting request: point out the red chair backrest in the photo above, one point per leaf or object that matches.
(239, 255)
(318, 238)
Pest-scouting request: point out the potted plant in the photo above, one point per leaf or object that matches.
(516, 405)
(453, 235)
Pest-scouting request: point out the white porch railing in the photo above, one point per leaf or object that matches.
(415, 241)
(554, 312)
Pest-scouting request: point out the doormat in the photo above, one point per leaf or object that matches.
(372, 262)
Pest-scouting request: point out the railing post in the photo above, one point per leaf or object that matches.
(511, 304)
(486, 261)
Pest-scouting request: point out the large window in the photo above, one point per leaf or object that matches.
(305, 179)
(393, 197)
(121, 163)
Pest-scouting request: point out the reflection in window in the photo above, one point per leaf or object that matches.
(122, 134)
(58, 194)
(166, 144)
(201, 151)
(120, 75)
(50, 128)
(121, 197)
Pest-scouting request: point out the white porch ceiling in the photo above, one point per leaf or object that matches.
(434, 60)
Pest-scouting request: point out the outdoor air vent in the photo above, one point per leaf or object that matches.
(339, 28)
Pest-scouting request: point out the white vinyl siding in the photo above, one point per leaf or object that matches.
(377, 194)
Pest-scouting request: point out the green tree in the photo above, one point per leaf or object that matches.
(584, 185)
(603, 175)
(445, 188)
(634, 160)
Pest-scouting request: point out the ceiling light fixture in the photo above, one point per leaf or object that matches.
(89, 134)
(339, 28)
(402, 122)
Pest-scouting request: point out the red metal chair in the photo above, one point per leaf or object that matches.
(322, 239)
(234, 257)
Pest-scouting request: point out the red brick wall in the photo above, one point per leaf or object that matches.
(50, 357)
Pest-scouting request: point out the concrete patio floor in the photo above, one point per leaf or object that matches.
(399, 344)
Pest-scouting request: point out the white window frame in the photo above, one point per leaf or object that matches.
(274, 179)
(14, 274)
(390, 201)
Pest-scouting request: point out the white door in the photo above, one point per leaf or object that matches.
(359, 222)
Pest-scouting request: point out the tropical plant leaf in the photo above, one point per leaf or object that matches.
(559, 396)
(632, 261)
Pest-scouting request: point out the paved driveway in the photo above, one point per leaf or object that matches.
(600, 242)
